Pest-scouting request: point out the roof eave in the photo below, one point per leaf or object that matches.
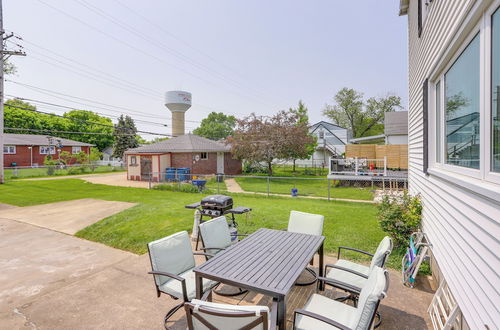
(404, 5)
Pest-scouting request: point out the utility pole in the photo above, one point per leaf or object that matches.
(4, 54)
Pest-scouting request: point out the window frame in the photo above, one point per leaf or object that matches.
(74, 148)
(133, 160)
(483, 28)
(203, 153)
(8, 150)
(52, 150)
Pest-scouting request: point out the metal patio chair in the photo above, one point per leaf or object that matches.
(216, 237)
(321, 312)
(172, 263)
(306, 223)
(351, 277)
(213, 316)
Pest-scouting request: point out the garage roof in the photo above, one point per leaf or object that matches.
(183, 143)
(40, 140)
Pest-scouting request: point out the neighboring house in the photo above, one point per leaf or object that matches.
(108, 159)
(201, 155)
(396, 127)
(31, 150)
(331, 140)
(395, 130)
(454, 139)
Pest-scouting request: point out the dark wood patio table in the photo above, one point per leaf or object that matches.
(267, 261)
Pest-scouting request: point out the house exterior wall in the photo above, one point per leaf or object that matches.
(134, 170)
(22, 157)
(461, 221)
(396, 139)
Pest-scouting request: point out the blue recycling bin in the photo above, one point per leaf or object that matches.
(183, 173)
(170, 174)
(295, 192)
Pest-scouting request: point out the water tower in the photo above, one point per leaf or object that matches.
(178, 102)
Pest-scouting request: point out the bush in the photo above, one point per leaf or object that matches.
(400, 216)
(183, 187)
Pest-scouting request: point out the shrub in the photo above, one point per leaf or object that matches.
(183, 187)
(399, 216)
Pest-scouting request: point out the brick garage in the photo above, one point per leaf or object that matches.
(201, 155)
(31, 150)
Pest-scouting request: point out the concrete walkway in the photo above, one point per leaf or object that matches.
(233, 187)
(67, 217)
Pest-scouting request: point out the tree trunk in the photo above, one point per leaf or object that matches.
(293, 166)
(270, 168)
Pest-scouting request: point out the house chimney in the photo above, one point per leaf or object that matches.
(178, 102)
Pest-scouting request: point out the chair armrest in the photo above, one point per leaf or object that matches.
(273, 318)
(203, 254)
(240, 235)
(175, 277)
(345, 270)
(209, 248)
(352, 249)
(319, 318)
(340, 284)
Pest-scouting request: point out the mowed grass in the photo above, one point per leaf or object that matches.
(306, 187)
(161, 213)
(42, 172)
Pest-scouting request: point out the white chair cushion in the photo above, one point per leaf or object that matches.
(174, 287)
(384, 246)
(306, 223)
(369, 296)
(228, 323)
(346, 277)
(171, 254)
(215, 233)
(328, 308)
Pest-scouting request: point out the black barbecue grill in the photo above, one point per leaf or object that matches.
(214, 206)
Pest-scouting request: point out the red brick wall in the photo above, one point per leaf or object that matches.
(205, 166)
(22, 156)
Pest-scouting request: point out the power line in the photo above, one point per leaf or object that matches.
(82, 120)
(127, 110)
(132, 46)
(65, 132)
(159, 44)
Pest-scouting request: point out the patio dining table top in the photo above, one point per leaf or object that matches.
(267, 261)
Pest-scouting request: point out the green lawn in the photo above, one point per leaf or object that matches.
(161, 213)
(42, 172)
(312, 187)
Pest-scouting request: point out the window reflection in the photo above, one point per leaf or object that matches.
(495, 93)
(462, 108)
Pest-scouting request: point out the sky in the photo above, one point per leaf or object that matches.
(237, 57)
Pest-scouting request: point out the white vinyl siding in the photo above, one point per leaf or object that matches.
(461, 223)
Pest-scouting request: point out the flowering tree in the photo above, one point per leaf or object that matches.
(263, 139)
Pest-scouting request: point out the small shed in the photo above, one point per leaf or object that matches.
(200, 155)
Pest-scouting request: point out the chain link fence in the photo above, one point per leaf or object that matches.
(24, 172)
(339, 188)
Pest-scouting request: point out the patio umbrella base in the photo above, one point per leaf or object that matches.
(229, 294)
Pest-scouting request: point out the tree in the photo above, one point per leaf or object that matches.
(303, 119)
(125, 136)
(155, 140)
(263, 139)
(72, 121)
(216, 126)
(350, 111)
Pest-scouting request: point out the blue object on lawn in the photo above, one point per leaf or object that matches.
(199, 183)
(295, 192)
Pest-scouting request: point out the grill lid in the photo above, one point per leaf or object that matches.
(217, 201)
